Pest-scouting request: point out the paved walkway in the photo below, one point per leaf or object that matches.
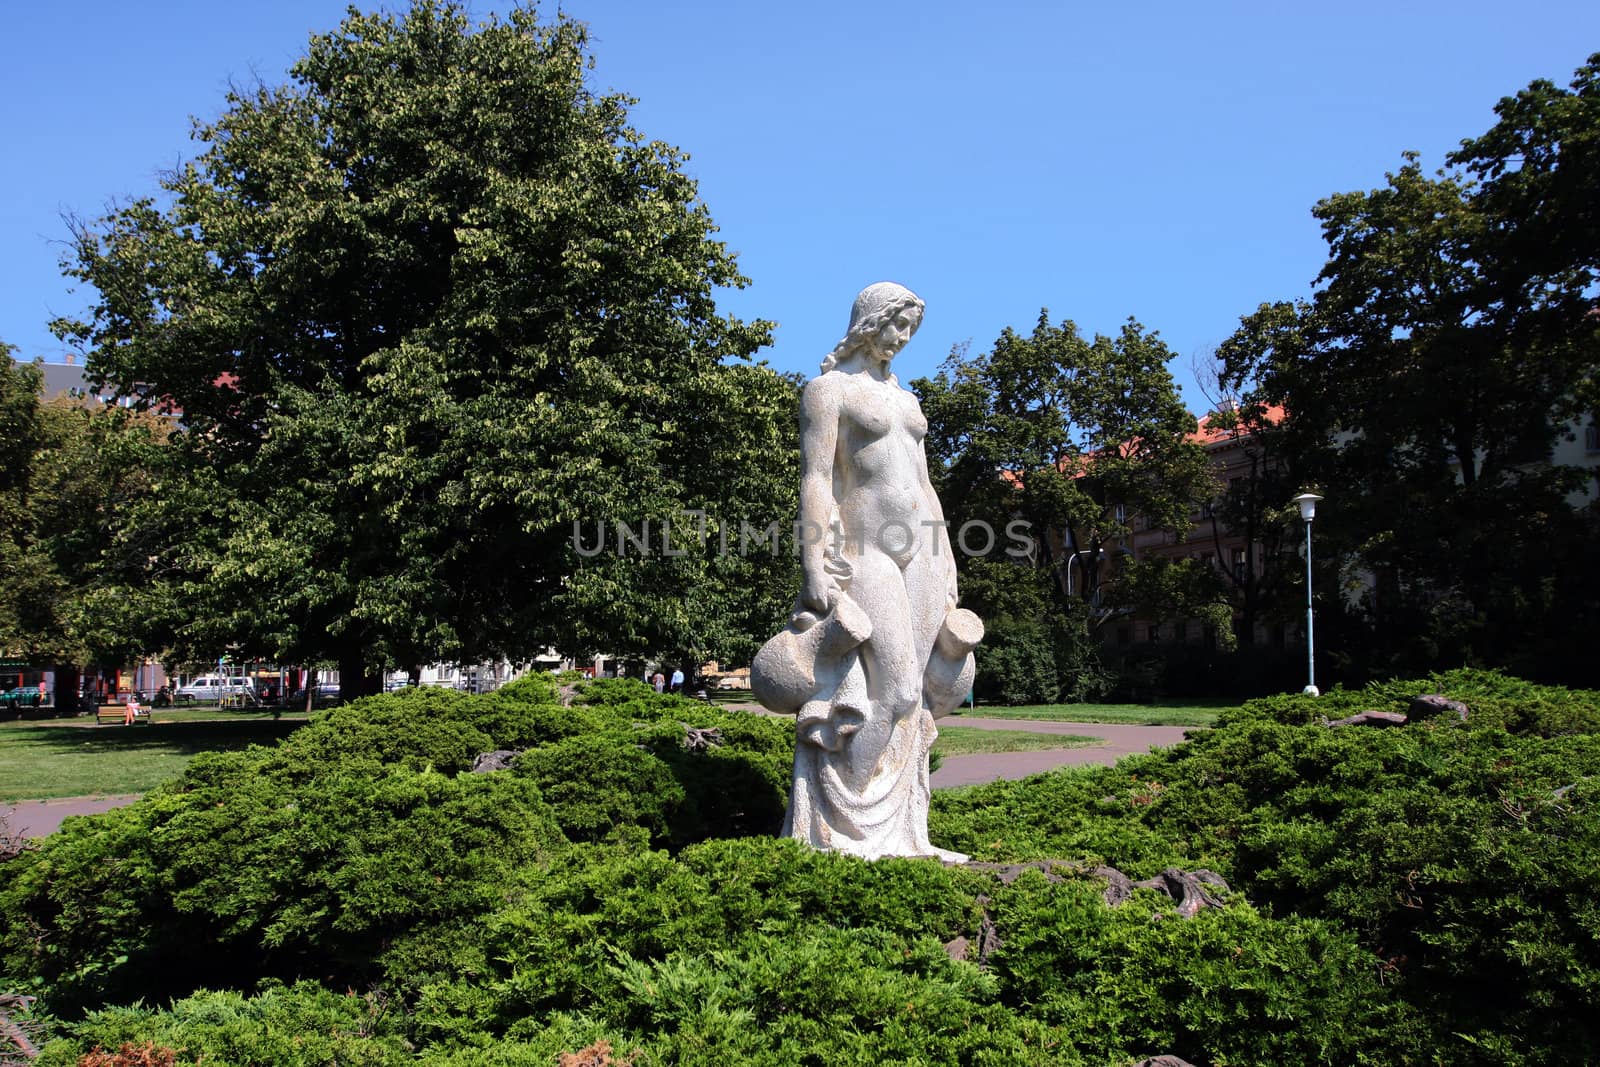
(37, 818)
(1118, 740)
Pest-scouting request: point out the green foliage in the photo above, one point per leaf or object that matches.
(302, 1025)
(1497, 701)
(1018, 665)
(1456, 854)
(1086, 434)
(75, 566)
(1450, 343)
(1394, 892)
(424, 308)
(359, 829)
(1229, 986)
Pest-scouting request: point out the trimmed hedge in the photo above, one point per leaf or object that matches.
(356, 895)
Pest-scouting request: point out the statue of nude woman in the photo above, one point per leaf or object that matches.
(876, 648)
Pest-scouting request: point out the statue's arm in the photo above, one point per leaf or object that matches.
(819, 440)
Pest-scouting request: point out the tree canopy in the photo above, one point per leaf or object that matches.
(1080, 439)
(75, 576)
(424, 308)
(1449, 346)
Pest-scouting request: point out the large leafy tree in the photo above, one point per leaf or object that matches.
(1448, 347)
(1539, 174)
(1080, 438)
(424, 308)
(76, 572)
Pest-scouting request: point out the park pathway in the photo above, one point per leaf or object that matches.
(37, 818)
(1117, 740)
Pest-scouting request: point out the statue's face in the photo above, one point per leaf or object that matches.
(893, 335)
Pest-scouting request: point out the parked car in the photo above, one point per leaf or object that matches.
(23, 696)
(323, 694)
(210, 687)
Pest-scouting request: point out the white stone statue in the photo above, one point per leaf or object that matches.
(876, 648)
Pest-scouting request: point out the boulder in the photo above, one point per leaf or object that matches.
(497, 760)
(1371, 718)
(1433, 705)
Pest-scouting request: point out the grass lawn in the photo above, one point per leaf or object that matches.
(1201, 714)
(42, 760)
(967, 740)
(1129, 714)
(209, 714)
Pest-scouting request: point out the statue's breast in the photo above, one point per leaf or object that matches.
(912, 418)
(869, 414)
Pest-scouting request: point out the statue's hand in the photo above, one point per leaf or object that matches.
(817, 591)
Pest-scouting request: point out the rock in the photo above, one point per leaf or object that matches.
(1188, 888)
(1119, 887)
(1164, 1061)
(700, 738)
(1010, 872)
(1191, 889)
(1371, 718)
(988, 938)
(498, 760)
(1433, 705)
(1561, 793)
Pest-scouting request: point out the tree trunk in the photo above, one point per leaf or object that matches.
(66, 694)
(356, 679)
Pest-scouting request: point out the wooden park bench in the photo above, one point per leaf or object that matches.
(115, 713)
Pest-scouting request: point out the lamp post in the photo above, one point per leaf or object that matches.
(1096, 554)
(1308, 511)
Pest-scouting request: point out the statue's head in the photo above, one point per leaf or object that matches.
(876, 306)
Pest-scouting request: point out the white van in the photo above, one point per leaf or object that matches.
(210, 687)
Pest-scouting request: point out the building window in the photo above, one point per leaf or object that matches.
(1591, 437)
(1155, 632)
(1240, 563)
(1121, 513)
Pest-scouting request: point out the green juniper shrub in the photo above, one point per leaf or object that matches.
(415, 728)
(822, 995)
(594, 784)
(1400, 895)
(1085, 814)
(556, 943)
(300, 1025)
(1496, 700)
(1460, 855)
(220, 885)
(1228, 986)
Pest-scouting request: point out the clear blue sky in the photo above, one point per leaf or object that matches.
(1157, 160)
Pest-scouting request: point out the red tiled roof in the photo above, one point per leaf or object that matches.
(1214, 430)
(1210, 431)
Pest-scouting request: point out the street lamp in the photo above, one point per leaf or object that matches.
(1308, 511)
(1096, 554)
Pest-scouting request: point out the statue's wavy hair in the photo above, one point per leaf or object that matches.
(869, 321)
